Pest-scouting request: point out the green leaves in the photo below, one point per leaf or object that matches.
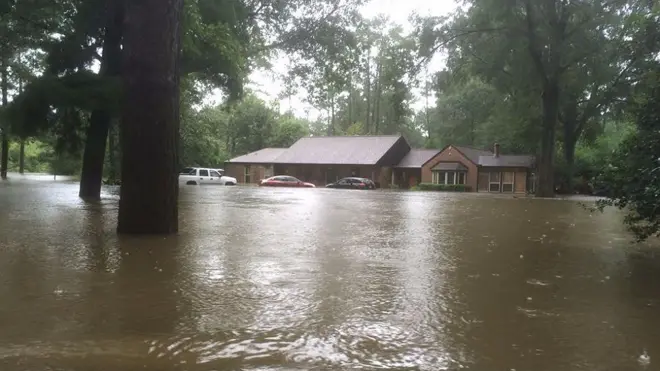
(632, 180)
(31, 111)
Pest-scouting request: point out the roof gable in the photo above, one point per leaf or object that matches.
(417, 157)
(507, 161)
(348, 150)
(449, 166)
(473, 154)
(262, 156)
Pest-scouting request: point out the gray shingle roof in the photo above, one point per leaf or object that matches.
(262, 156)
(349, 150)
(473, 154)
(417, 157)
(507, 161)
(449, 166)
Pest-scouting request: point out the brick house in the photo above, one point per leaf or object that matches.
(322, 160)
(386, 159)
(481, 170)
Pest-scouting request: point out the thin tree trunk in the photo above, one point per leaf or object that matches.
(545, 168)
(367, 128)
(21, 157)
(377, 98)
(150, 121)
(5, 137)
(21, 150)
(91, 176)
(570, 125)
(331, 129)
(112, 161)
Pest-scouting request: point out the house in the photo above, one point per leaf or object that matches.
(481, 170)
(408, 172)
(254, 166)
(322, 160)
(386, 159)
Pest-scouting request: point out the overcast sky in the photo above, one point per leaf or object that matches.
(268, 86)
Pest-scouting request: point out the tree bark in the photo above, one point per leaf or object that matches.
(367, 92)
(112, 149)
(150, 119)
(545, 168)
(21, 157)
(376, 116)
(4, 162)
(91, 177)
(331, 127)
(569, 123)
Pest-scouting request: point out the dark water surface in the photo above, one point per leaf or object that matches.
(316, 279)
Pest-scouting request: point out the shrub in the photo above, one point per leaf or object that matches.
(442, 187)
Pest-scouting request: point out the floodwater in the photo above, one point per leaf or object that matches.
(316, 279)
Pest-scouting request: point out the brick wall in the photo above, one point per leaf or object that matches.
(451, 154)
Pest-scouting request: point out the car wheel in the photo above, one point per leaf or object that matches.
(191, 182)
(230, 183)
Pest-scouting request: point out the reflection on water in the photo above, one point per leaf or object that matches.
(282, 279)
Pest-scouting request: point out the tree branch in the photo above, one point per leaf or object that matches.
(535, 54)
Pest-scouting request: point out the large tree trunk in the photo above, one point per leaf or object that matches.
(150, 119)
(4, 163)
(545, 168)
(91, 176)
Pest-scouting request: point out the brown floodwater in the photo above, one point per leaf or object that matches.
(316, 279)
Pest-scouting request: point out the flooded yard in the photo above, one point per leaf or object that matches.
(320, 279)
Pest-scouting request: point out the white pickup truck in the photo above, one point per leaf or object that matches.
(200, 175)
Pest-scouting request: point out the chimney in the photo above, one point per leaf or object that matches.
(496, 150)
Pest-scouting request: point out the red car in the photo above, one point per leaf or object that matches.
(285, 181)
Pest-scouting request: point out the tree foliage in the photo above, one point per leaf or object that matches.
(631, 181)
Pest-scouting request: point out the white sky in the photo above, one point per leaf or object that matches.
(268, 86)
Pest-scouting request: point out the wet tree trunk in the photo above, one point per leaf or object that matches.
(367, 92)
(4, 163)
(21, 157)
(331, 126)
(150, 119)
(91, 176)
(376, 116)
(112, 149)
(545, 168)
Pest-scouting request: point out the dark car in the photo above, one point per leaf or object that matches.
(353, 183)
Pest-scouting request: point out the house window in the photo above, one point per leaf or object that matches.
(449, 177)
(483, 181)
(268, 171)
(246, 175)
(494, 181)
(436, 177)
(507, 181)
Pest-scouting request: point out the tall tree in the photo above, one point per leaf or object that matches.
(529, 48)
(150, 118)
(100, 119)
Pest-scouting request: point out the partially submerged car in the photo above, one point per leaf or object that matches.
(285, 181)
(353, 183)
(203, 176)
